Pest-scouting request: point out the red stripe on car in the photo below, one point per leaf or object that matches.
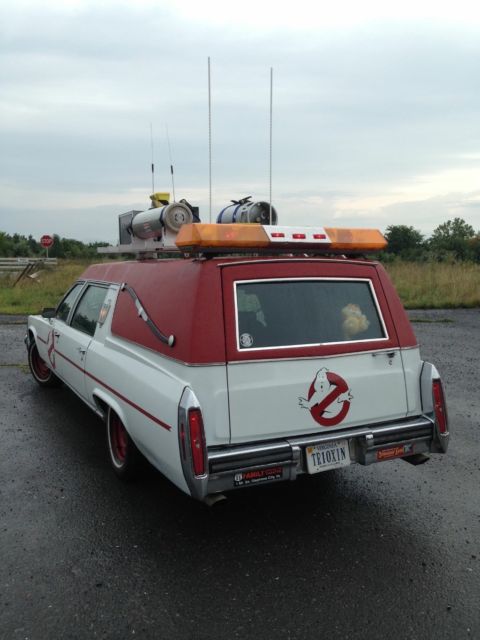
(117, 393)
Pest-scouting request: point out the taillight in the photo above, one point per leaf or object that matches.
(439, 406)
(195, 425)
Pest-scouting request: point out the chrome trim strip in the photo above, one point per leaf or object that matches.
(322, 357)
(239, 452)
(363, 431)
(197, 484)
(224, 456)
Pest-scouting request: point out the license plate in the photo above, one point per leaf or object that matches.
(331, 455)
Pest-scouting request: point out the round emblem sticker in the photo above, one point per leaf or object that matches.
(246, 340)
(329, 398)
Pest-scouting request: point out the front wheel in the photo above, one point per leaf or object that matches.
(124, 456)
(41, 373)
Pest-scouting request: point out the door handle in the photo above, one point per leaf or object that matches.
(81, 350)
(390, 354)
(56, 334)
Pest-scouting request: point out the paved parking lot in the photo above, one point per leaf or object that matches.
(388, 551)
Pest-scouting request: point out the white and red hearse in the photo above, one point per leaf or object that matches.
(251, 354)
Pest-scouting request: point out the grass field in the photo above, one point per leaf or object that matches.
(31, 296)
(420, 285)
(434, 285)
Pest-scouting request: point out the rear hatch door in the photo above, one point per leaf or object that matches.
(311, 347)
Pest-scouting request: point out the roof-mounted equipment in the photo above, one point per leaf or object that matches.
(234, 238)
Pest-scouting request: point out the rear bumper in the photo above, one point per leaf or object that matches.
(285, 459)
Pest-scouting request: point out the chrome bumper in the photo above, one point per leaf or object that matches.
(239, 466)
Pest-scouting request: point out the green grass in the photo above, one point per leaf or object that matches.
(420, 286)
(435, 285)
(31, 296)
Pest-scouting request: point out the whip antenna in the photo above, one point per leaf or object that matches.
(209, 141)
(153, 166)
(271, 127)
(171, 162)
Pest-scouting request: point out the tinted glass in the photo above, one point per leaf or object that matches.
(86, 314)
(303, 312)
(67, 303)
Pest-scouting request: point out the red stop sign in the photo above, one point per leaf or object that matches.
(46, 241)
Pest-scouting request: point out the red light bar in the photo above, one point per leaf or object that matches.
(298, 236)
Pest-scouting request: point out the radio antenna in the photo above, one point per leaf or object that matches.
(209, 141)
(153, 166)
(171, 161)
(271, 128)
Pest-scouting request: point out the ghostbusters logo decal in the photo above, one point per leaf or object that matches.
(328, 398)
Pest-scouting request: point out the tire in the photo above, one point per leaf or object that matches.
(41, 373)
(125, 459)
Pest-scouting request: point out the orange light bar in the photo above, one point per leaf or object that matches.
(250, 236)
(221, 235)
(356, 239)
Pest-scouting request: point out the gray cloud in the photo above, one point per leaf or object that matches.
(361, 112)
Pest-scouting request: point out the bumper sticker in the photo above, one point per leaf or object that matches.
(395, 452)
(258, 475)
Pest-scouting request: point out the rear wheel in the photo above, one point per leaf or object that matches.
(125, 458)
(42, 374)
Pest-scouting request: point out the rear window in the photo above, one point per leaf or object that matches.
(302, 312)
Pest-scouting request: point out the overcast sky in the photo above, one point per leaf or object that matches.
(376, 116)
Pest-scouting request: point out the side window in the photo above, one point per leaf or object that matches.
(87, 312)
(67, 303)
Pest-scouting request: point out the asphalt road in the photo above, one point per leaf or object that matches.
(387, 551)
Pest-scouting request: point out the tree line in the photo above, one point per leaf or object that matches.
(17, 245)
(454, 240)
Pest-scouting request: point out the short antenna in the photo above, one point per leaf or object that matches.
(209, 141)
(153, 166)
(171, 162)
(271, 130)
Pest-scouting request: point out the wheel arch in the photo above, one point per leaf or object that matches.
(104, 402)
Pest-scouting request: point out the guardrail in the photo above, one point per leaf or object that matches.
(25, 267)
(17, 264)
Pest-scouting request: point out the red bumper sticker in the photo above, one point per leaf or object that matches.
(395, 452)
(259, 475)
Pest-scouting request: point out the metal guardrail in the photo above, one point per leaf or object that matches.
(19, 263)
(25, 267)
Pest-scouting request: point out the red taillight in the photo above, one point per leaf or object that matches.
(278, 234)
(439, 406)
(319, 236)
(298, 236)
(195, 424)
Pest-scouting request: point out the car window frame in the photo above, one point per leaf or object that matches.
(69, 316)
(376, 305)
(83, 291)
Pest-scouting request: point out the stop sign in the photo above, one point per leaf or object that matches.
(46, 241)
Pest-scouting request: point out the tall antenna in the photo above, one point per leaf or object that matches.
(171, 162)
(153, 166)
(271, 128)
(209, 141)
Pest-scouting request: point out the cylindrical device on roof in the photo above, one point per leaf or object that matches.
(150, 224)
(245, 211)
